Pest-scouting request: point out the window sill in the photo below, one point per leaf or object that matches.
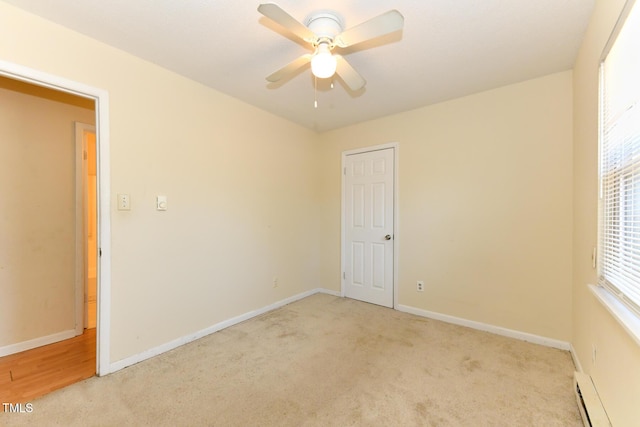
(627, 318)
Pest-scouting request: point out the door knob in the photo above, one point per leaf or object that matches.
(387, 237)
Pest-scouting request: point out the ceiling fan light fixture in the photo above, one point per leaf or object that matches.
(324, 30)
(323, 63)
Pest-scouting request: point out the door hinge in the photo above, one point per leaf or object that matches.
(99, 251)
(344, 171)
(344, 275)
(84, 155)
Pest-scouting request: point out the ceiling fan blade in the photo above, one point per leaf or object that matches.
(375, 27)
(290, 68)
(350, 76)
(276, 14)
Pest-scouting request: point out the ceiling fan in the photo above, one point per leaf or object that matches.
(324, 31)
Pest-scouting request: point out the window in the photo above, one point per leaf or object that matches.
(620, 162)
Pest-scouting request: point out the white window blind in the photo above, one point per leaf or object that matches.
(620, 164)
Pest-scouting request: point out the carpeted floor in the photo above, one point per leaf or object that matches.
(328, 361)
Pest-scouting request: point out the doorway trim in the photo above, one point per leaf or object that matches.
(101, 98)
(396, 230)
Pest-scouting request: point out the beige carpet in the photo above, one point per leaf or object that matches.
(328, 361)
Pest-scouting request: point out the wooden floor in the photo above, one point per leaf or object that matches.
(33, 373)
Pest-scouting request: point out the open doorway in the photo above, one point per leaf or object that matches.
(35, 256)
(38, 172)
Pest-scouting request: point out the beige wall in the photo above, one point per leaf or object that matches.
(241, 187)
(485, 204)
(616, 371)
(37, 211)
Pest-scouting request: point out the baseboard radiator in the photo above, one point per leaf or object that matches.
(589, 404)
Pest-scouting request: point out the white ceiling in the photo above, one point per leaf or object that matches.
(447, 49)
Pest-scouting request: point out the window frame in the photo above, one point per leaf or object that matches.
(625, 307)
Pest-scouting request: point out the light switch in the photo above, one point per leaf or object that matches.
(161, 203)
(124, 203)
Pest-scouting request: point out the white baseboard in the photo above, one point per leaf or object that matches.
(498, 330)
(152, 352)
(36, 342)
(328, 292)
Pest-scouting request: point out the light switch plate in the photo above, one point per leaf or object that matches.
(124, 203)
(161, 203)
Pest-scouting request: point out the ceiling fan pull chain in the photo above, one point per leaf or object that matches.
(315, 92)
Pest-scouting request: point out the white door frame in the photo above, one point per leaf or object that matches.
(396, 230)
(101, 98)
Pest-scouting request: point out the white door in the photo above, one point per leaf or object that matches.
(86, 227)
(368, 221)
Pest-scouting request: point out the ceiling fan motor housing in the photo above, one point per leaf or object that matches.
(326, 25)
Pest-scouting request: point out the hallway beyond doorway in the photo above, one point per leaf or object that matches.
(34, 373)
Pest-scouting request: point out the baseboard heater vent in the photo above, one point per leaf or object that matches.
(591, 409)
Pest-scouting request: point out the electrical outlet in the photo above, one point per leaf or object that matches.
(420, 286)
(275, 282)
